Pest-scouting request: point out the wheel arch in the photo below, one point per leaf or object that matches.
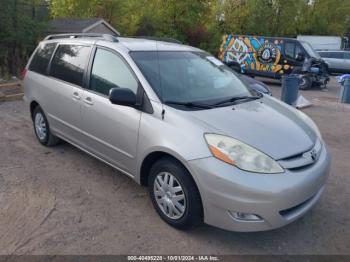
(32, 106)
(153, 157)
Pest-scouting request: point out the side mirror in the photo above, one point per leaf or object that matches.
(122, 96)
(300, 57)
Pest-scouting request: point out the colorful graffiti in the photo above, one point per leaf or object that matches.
(254, 53)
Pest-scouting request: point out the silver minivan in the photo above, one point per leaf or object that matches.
(175, 119)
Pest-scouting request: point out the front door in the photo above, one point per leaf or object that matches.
(291, 51)
(111, 131)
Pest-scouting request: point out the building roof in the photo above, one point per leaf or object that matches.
(77, 25)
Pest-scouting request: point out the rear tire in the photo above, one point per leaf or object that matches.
(174, 194)
(42, 128)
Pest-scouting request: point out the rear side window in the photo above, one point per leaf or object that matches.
(69, 62)
(42, 58)
(336, 55)
(324, 54)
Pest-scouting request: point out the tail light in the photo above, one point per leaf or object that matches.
(23, 73)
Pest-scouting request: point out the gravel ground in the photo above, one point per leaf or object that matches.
(62, 201)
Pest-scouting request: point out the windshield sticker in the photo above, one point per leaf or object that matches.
(215, 61)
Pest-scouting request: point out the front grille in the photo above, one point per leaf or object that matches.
(300, 168)
(302, 160)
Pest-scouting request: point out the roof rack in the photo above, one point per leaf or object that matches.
(106, 37)
(156, 38)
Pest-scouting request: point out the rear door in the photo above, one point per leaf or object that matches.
(64, 90)
(111, 131)
(36, 79)
(337, 60)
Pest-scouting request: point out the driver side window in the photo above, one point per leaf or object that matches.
(110, 71)
(298, 50)
(289, 50)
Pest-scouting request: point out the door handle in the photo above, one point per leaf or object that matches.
(76, 96)
(88, 101)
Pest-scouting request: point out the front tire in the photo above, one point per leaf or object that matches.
(305, 82)
(42, 128)
(174, 194)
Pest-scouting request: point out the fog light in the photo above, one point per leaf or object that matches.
(245, 216)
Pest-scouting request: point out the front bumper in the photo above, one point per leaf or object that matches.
(321, 80)
(277, 198)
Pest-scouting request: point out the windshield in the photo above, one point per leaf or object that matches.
(188, 77)
(308, 48)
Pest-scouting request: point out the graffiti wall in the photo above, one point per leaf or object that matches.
(254, 53)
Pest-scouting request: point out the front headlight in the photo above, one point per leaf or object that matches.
(241, 155)
(314, 70)
(310, 123)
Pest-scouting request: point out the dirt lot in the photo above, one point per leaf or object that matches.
(62, 201)
(11, 91)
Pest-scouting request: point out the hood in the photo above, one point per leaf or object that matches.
(266, 124)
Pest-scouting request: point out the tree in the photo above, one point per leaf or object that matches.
(186, 20)
(73, 8)
(191, 22)
(19, 32)
(286, 17)
(326, 17)
(122, 14)
(263, 17)
(196, 22)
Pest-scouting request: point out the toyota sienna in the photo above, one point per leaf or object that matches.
(176, 119)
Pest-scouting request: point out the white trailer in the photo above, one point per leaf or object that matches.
(319, 42)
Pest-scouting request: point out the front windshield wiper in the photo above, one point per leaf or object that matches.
(189, 104)
(237, 98)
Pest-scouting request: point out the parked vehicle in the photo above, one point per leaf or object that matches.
(255, 85)
(320, 42)
(177, 120)
(337, 61)
(273, 57)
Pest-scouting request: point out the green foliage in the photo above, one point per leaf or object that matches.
(19, 31)
(189, 21)
(196, 22)
(263, 17)
(326, 17)
(73, 8)
(286, 17)
(202, 22)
